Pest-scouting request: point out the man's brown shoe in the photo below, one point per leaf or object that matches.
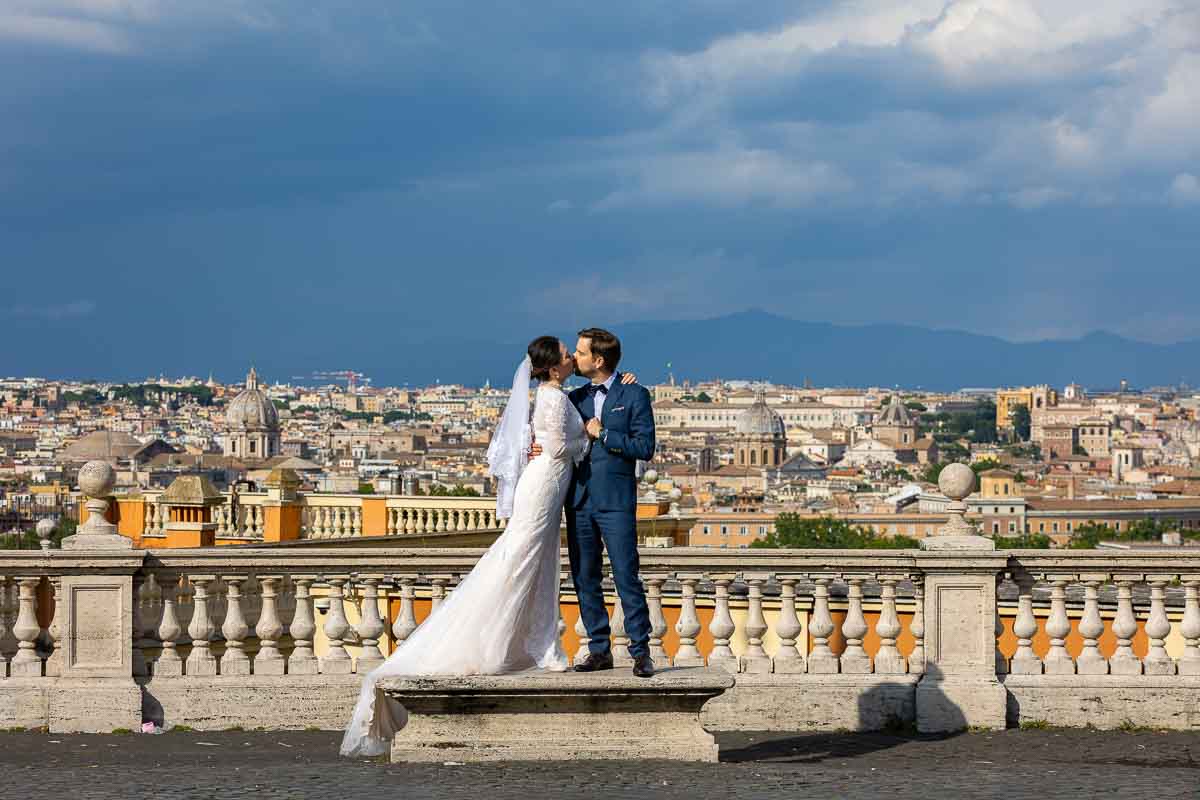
(594, 662)
(643, 667)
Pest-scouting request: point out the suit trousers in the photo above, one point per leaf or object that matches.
(589, 534)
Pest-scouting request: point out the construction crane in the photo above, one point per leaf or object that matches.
(348, 375)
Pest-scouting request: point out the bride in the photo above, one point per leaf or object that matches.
(503, 617)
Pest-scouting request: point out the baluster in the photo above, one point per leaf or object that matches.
(688, 626)
(998, 630)
(821, 660)
(1025, 661)
(788, 660)
(437, 592)
(410, 520)
(756, 659)
(169, 664)
(3, 625)
(1058, 626)
(391, 522)
(268, 660)
(140, 592)
(888, 660)
(53, 631)
(1123, 661)
(916, 659)
(235, 661)
(406, 618)
(1158, 627)
(472, 525)
(302, 661)
(584, 639)
(1190, 627)
(370, 626)
(722, 627)
(356, 522)
(336, 661)
(1090, 661)
(441, 520)
(460, 522)
(201, 660)
(26, 662)
(658, 622)
(855, 659)
(619, 639)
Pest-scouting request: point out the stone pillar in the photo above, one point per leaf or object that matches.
(282, 508)
(959, 688)
(96, 692)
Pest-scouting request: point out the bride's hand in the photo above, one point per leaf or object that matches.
(628, 377)
(535, 450)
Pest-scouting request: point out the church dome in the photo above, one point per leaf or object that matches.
(252, 409)
(760, 420)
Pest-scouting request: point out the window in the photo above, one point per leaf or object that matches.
(724, 530)
(1054, 528)
(1012, 527)
(1041, 527)
(995, 527)
(706, 529)
(742, 530)
(1069, 527)
(762, 530)
(252, 445)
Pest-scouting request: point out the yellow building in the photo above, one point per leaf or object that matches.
(1032, 397)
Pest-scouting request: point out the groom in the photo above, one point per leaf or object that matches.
(601, 502)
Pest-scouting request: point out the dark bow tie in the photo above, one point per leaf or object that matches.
(596, 387)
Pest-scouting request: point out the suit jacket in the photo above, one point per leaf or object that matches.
(607, 473)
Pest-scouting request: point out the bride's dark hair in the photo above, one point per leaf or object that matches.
(544, 352)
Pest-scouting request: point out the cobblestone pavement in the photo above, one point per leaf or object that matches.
(232, 764)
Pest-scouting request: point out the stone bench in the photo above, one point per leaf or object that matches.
(550, 716)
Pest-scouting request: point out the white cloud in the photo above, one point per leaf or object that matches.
(75, 34)
(559, 206)
(1185, 189)
(728, 176)
(1034, 197)
(1081, 95)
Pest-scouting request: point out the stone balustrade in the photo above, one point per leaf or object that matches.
(248, 517)
(817, 639)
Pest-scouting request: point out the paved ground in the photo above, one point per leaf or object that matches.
(231, 764)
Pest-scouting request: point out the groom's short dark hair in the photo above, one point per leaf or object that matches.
(604, 344)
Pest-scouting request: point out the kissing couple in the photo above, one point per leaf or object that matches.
(581, 458)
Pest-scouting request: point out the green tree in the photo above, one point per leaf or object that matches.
(366, 488)
(932, 473)
(914, 405)
(1022, 422)
(795, 532)
(703, 398)
(1024, 541)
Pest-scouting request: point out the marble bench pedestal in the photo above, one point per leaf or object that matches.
(556, 716)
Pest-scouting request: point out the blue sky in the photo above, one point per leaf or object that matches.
(188, 186)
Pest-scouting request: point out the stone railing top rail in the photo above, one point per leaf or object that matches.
(678, 561)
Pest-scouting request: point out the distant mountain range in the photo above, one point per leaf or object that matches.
(761, 346)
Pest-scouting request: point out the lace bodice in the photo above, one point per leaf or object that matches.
(557, 426)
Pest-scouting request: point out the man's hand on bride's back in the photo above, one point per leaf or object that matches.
(535, 450)
(628, 377)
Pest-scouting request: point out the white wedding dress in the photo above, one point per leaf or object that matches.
(503, 617)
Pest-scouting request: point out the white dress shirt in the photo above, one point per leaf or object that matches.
(600, 397)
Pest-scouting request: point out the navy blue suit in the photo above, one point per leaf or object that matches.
(602, 513)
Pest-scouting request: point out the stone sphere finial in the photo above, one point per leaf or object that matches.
(957, 481)
(97, 479)
(45, 528)
(650, 476)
